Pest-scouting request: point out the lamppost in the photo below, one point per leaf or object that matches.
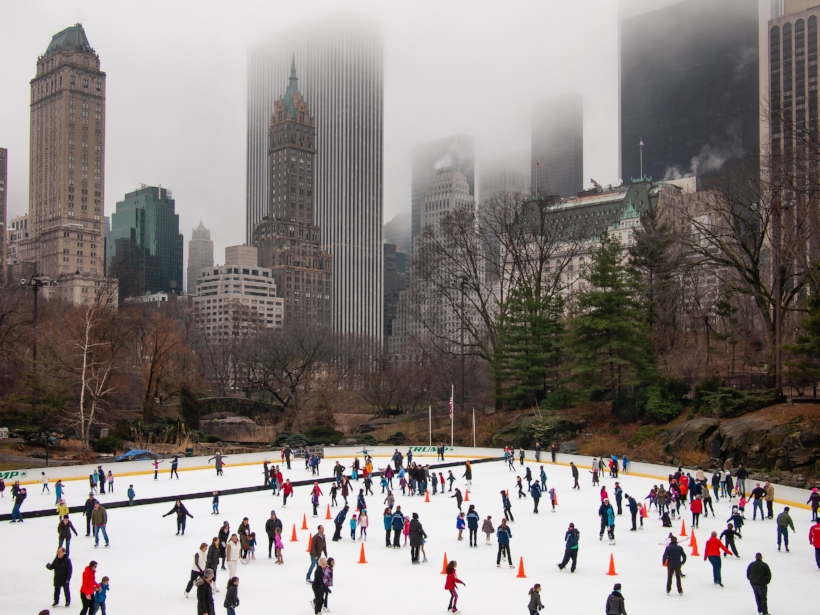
(36, 282)
(463, 282)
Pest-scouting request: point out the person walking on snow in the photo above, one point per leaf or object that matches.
(712, 553)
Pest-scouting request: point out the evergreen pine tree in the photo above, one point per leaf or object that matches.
(608, 337)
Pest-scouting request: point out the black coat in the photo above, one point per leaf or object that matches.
(212, 558)
(615, 604)
(62, 570)
(223, 540)
(205, 599)
(417, 533)
(231, 597)
(674, 556)
(180, 510)
(759, 573)
(271, 525)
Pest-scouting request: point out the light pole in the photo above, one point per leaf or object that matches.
(36, 282)
(463, 282)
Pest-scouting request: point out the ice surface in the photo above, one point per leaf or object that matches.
(149, 566)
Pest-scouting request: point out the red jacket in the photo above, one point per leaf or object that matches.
(288, 489)
(89, 585)
(696, 506)
(714, 547)
(814, 535)
(451, 581)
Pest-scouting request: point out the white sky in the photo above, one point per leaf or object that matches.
(176, 87)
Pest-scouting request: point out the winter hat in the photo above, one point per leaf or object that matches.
(273, 512)
(415, 515)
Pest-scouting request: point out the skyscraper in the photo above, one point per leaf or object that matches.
(144, 248)
(689, 87)
(4, 235)
(341, 62)
(200, 255)
(67, 159)
(507, 173)
(287, 238)
(557, 152)
(454, 153)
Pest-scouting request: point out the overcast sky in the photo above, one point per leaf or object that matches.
(177, 78)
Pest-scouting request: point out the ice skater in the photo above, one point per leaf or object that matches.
(571, 538)
(489, 530)
(503, 535)
(182, 514)
(219, 460)
(450, 585)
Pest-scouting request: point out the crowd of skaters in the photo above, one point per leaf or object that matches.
(231, 548)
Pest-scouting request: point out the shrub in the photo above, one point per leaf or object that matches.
(396, 438)
(727, 402)
(108, 444)
(710, 385)
(661, 404)
(323, 434)
(558, 399)
(366, 440)
(292, 439)
(644, 433)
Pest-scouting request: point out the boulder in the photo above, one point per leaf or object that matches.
(570, 447)
(688, 436)
(802, 457)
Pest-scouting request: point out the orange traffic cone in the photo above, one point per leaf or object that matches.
(556, 498)
(426, 496)
(293, 537)
(327, 515)
(683, 528)
(310, 542)
(362, 559)
(466, 495)
(304, 521)
(444, 565)
(694, 542)
(508, 493)
(612, 572)
(521, 574)
(644, 514)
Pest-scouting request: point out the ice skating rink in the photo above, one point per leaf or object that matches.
(149, 565)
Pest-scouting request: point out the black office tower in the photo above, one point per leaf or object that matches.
(689, 87)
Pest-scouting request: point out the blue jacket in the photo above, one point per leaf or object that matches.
(472, 520)
(131, 494)
(505, 501)
(340, 518)
(571, 538)
(536, 491)
(619, 494)
(99, 595)
(388, 522)
(610, 516)
(360, 502)
(543, 476)
(398, 520)
(633, 505)
(503, 535)
(459, 523)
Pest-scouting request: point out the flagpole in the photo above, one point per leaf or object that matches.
(641, 148)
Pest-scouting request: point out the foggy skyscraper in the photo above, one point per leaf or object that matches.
(454, 153)
(558, 146)
(200, 254)
(341, 69)
(689, 87)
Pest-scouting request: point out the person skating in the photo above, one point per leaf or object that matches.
(224, 534)
(615, 603)
(472, 525)
(458, 497)
(758, 495)
(632, 504)
(19, 498)
(450, 480)
(205, 594)
(451, 583)
(535, 491)
(742, 474)
(363, 523)
(760, 575)
(232, 595)
(488, 529)
(696, 508)
(711, 552)
(461, 523)
(553, 452)
(503, 535)
(571, 538)
(219, 460)
(603, 515)
(99, 520)
(287, 491)
(174, 467)
(505, 502)
(271, 526)
(417, 536)
(574, 476)
(674, 557)
(468, 474)
(318, 585)
(233, 552)
(318, 547)
(278, 545)
(327, 580)
(198, 567)
(182, 515)
(212, 556)
(537, 452)
(62, 569)
(619, 495)
(728, 535)
(528, 477)
(542, 476)
(88, 587)
(62, 509)
(784, 522)
(535, 605)
(131, 495)
(814, 540)
(397, 524)
(44, 481)
(64, 529)
(339, 522)
(156, 463)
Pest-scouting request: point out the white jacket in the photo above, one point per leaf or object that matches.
(199, 561)
(232, 551)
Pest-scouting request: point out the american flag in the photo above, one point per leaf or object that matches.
(452, 389)
(538, 166)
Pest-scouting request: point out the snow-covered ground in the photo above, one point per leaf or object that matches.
(149, 565)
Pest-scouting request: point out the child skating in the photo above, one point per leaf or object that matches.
(450, 585)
